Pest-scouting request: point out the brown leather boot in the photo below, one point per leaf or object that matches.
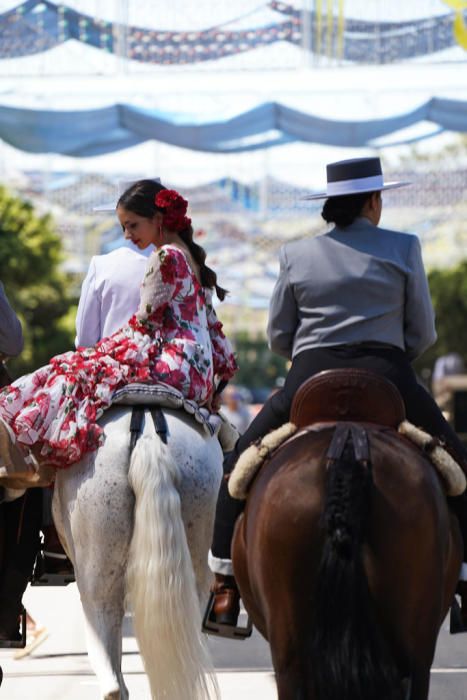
(226, 606)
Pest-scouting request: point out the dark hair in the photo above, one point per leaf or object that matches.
(140, 198)
(343, 210)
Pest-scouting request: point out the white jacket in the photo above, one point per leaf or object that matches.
(109, 295)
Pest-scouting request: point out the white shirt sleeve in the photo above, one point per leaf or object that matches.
(88, 317)
(11, 334)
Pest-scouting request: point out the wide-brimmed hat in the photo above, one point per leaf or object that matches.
(121, 187)
(355, 176)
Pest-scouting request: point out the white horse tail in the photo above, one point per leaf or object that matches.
(160, 583)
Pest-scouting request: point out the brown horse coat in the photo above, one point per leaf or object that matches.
(410, 553)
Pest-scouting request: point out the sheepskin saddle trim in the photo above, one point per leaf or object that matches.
(254, 457)
(450, 472)
(251, 460)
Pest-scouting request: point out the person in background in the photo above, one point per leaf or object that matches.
(235, 409)
(449, 376)
(109, 294)
(11, 333)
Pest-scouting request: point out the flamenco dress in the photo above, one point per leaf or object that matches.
(174, 338)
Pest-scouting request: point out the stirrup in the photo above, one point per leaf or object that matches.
(218, 629)
(16, 643)
(41, 577)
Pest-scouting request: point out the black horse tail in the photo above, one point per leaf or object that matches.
(349, 659)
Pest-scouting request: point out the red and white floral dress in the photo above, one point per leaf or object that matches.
(174, 337)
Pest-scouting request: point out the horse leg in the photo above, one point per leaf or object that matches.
(95, 518)
(198, 502)
(289, 683)
(419, 683)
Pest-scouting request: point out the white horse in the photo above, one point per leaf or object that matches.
(138, 529)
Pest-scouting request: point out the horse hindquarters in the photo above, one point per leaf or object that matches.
(160, 580)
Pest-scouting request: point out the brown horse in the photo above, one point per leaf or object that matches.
(348, 565)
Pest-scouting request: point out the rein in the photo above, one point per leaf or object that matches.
(137, 415)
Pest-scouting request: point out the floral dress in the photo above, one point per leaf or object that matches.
(174, 337)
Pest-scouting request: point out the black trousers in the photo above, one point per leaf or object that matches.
(20, 521)
(392, 363)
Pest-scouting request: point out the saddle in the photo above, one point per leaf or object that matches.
(159, 396)
(345, 396)
(357, 395)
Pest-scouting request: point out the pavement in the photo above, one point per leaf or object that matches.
(59, 668)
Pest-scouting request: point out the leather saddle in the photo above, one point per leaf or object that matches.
(356, 395)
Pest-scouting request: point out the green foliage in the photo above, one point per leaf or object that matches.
(30, 259)
(259, 367)
(449, 294)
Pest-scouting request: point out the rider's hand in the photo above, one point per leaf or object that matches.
(214, 403)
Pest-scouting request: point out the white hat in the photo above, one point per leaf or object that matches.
(122, 186)
(355, 176)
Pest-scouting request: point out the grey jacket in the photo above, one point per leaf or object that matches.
(11, 334)
(359, 284)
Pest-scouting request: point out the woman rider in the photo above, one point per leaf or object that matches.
(356, 296)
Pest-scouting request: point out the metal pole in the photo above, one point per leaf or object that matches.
(307, 37)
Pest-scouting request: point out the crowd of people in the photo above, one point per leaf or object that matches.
(356, 296)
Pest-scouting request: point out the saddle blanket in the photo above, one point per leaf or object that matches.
(166, 396)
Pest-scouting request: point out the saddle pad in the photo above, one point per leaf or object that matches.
(451, 473)
(167, 396)
(253, 458)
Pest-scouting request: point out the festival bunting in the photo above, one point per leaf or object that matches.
(40, 25)
(95, 132)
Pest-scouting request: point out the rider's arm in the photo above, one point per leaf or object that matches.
(419, 317)
(283, 312)
(11, 334)
(88, 316)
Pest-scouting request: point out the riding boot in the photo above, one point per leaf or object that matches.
(226, 606)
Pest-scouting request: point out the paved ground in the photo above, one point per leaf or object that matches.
(59, 668)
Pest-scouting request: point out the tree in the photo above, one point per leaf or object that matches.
(259, 367)
(448, 289)
(30, 268)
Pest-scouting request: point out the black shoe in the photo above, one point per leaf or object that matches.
(13, 635)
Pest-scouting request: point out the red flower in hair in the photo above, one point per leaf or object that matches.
(174, 207)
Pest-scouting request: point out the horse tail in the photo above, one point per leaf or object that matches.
(350, 659)
(161, 586)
